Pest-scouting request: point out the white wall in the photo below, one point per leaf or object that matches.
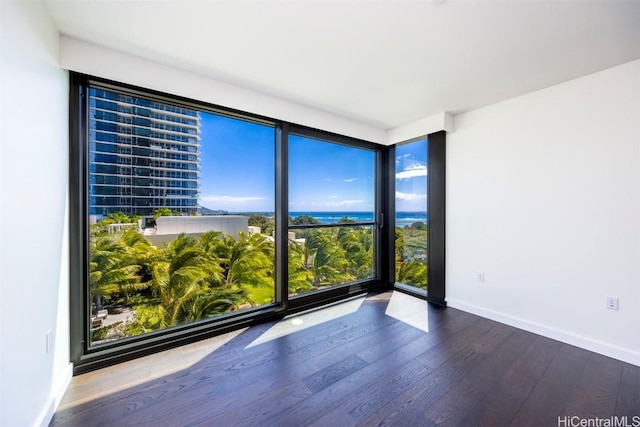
(84, 57)
(420, 128)
(34, 257)
(228, 224)
(543, 196)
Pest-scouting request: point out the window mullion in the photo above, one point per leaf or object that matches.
(282, 215)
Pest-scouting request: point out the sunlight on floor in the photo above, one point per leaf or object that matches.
(139, 371)
(302, 321)
(405, 308)
(408, 309)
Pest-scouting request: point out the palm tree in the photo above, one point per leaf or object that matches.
(247, 261)
(177, 284)
(112, 270)
(216, 302)
(254, 260)
(412, 273)
(399, 235)
(144, 254)
(329, 261)
(300, 277)
(180, 279)
(359, 257)
(190, 283)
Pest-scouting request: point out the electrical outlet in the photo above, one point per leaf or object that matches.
(612, 303)
(480, 277)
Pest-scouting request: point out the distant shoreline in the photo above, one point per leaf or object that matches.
(331, 217)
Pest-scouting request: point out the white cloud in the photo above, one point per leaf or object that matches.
(410, 196)
(412, 171)
(350, 202)
(340, 203)
(343, 180)
(231, 199)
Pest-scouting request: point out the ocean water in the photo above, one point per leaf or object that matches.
(402, 218)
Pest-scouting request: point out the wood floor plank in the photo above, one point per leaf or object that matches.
(501, 404)
(237, 368)
(371, 346)
(395, 382)
(369, 366)
(597, 390)
(212, 403)
(334, 373)
(628, 400)
(362, 383)
(439, 331)
(254, 412)
(410, 402)
(548, 399)
(459, 400)
(335, 418)
(352, 385)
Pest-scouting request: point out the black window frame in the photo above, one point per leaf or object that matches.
(436, 219)
(339, 292)
(85, 357)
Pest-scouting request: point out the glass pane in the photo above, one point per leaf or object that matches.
(181, 213)
(411, 214)
(330, 187)
(320, 258)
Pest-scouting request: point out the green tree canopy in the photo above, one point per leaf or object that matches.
(412, 273)
(165, 212)
(304, 219)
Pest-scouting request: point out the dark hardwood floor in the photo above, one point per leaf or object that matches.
(388, 359)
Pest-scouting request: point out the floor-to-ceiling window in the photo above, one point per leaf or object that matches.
(411, 219)
(181, 204)
(189, 219)
(417, 184)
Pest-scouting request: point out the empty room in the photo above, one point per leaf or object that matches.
(323, 213)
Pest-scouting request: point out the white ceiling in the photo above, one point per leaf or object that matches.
(384, 63)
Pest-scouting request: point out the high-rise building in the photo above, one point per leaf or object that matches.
(143, 155)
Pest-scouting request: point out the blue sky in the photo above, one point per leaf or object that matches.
(411, 176)
(237, 166)
(326, 177)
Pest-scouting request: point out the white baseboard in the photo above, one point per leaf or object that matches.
(57, 392)
(609, 350)
(46, 414)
